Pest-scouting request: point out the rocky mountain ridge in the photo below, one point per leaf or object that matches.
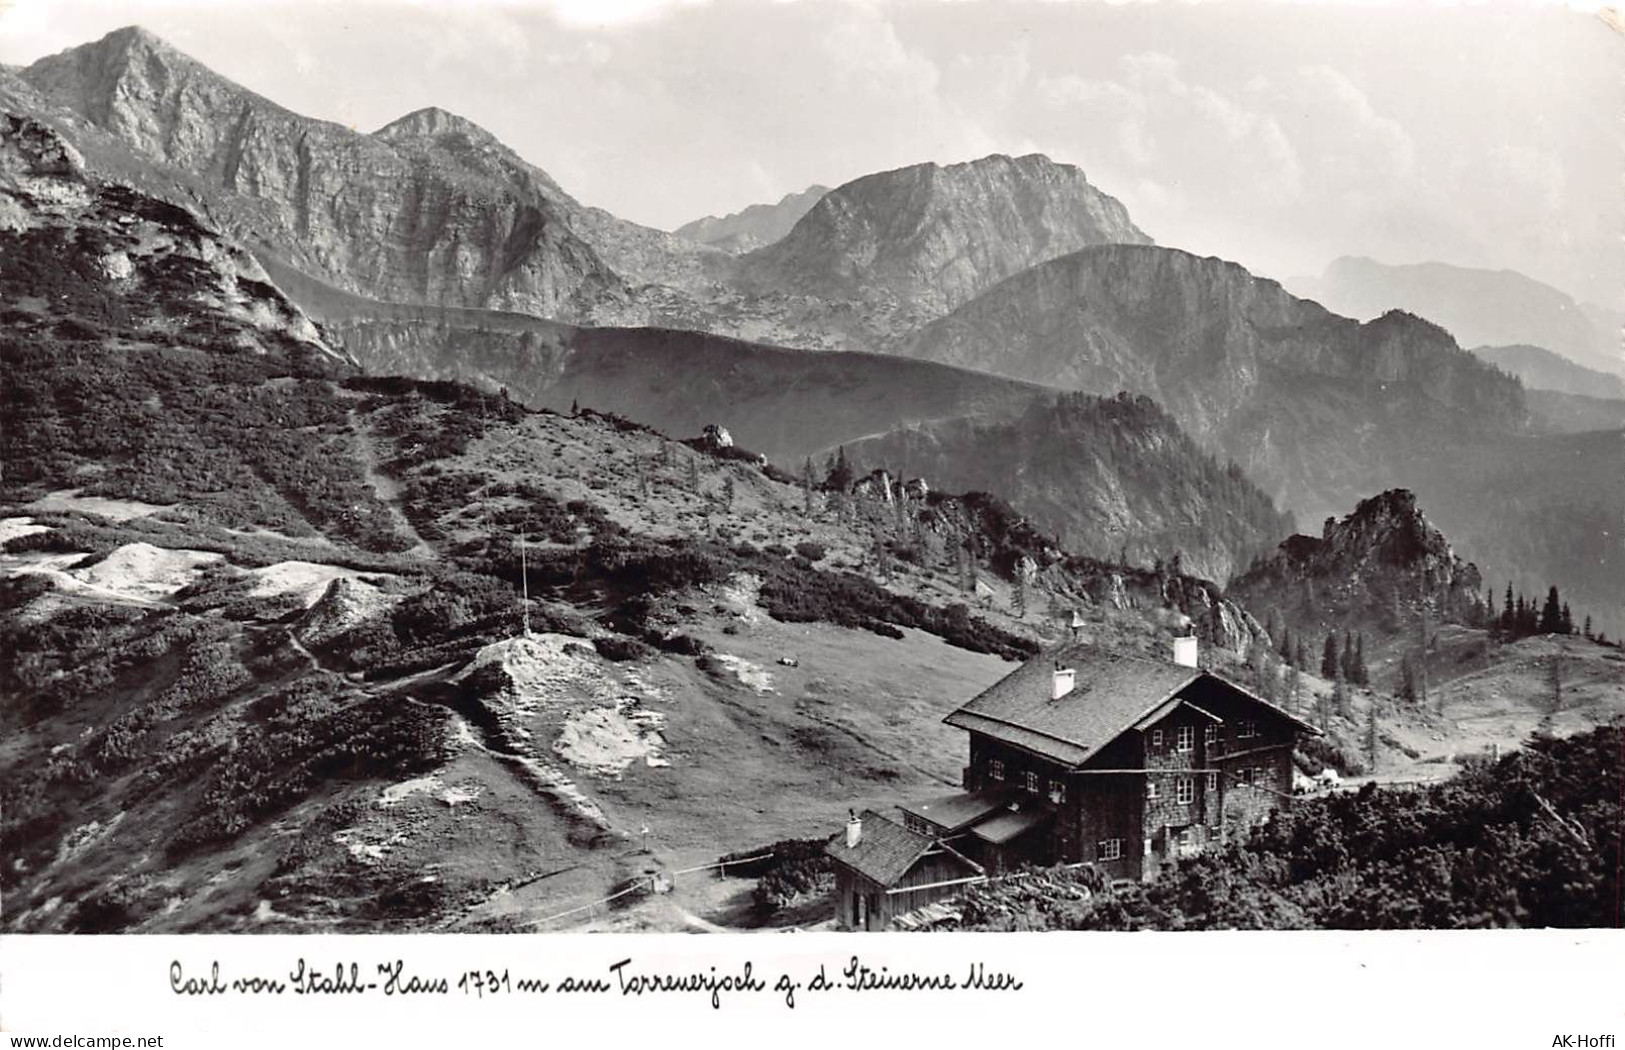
(1304, 400)
(1479, 307)
(755, 226)
(933, 236)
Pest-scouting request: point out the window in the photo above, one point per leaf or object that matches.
(1185, 738)
(1247, 729)
(1213, 781)
(1150, 788)
(1185, 791)
(1110, 849)
(1260, 776)
(1057, 791)
(1210, 735)
(1156, 739)
(1032, 782)
(995, 769)
(1244, 775)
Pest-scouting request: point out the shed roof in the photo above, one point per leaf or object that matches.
(1006, 826)
(885, 851)
(1113, 692)
(954, 813)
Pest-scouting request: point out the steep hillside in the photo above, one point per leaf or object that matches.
(1554, 413)
(1317, 408)
(1536, 510)
(1479, 307)
(1540, 369)
(430, 208)
(1113, 478)
(932, 237)
(754, 227)
(783, 403)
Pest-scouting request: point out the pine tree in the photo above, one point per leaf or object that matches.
(1551, 614)
(575, 408)
(1018, 593)
(1340, 694)
(1566, 622)
(728, 491)
(1407, 677)
(1346, 661)
(1300, 655)
(1589, 636)
(1508, 621)
(1286, 645)
(1362, 675)
(1329, 666)
(1371, 736)
(807, 487)
(839, 478)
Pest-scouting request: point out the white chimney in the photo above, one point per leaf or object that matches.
(1185, 651)
(854, 829)
(1062, 682)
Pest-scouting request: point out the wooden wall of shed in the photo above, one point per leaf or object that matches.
(939, 867)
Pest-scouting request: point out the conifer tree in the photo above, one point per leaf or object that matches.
(1566, 622)
(1362, 676)
(728, 491)
(807, 487)
(1329, 667)
(1286, 645)
(1371, 736)
(1300, 655)
(1551, 614)
(1407, 677)
(1588, 635)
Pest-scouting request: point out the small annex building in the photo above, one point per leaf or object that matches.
(883, 870)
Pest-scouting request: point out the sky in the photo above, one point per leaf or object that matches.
(1278, 135)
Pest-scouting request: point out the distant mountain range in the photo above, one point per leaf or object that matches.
(1479, 307)
(754, 227)
(429, 247)
(1540, 369)
(1317, 407)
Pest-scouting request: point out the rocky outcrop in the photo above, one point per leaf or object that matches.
(107, 260)
(756, 226)
(1380, 564)
(1318, 408)
(933, 237)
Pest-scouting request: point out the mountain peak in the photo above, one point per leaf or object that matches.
(933, 236)
(432, 122)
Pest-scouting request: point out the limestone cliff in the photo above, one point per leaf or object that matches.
(429, 209)
(934, 236)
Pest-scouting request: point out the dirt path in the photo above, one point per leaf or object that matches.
(388, 490)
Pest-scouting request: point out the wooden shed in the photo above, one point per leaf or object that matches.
(883, 870)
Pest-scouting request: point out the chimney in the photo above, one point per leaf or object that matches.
(854, 829)
(1185, 651)
(1062, 682)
